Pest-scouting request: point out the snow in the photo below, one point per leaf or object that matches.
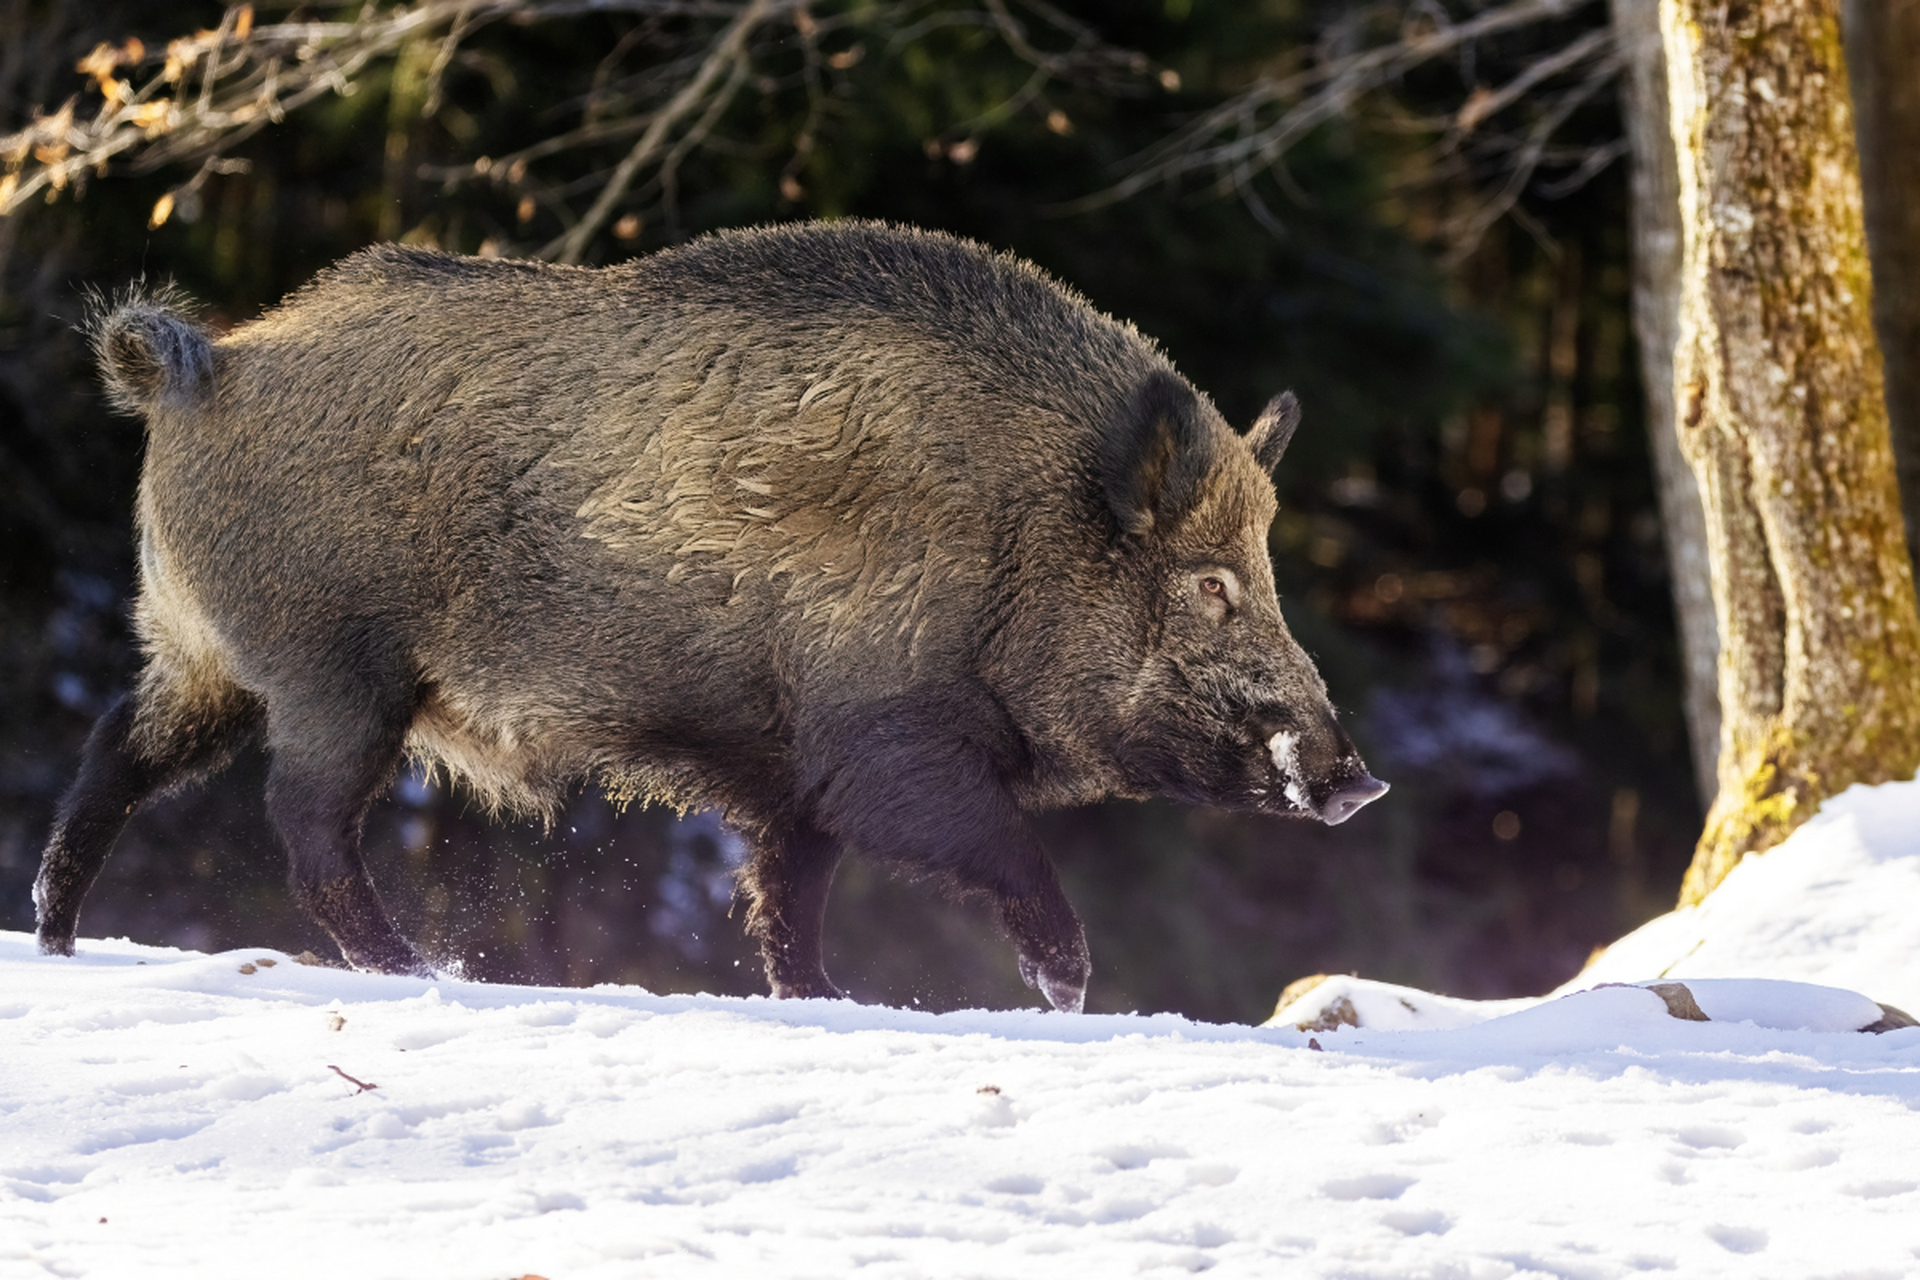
(1837, 903)
(1284, 747)
(166, 1113)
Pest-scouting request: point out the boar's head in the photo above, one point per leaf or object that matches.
(1224, 707)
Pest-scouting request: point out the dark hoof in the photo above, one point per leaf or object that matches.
(55, 945)
(820, 988)
(1063, 984)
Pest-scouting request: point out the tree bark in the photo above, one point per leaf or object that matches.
(1883, 63)
(1778, 380)
(1655, 219)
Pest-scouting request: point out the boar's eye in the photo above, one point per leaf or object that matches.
(1219, 590)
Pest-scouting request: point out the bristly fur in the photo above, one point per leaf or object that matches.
(150, 348)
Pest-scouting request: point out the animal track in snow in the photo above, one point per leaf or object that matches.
(1738, 1239)
(1122, 1209)
(1139, 1155)
(1812, 1158)
(1368, 1186)
(1200, 1235)
(521, 1114)
(1881, 1189)
(1418, 1222)
(1212, 1174)
(1710, 1137)
(1017, 1184)
(1588, 1139)
(777, 1113)
(767, 1170)
(136, 1134)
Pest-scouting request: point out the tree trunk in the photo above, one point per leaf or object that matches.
(1656, 324)
(1783, 418)
(1883, 62)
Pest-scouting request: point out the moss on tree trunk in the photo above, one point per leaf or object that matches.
(1783, 419)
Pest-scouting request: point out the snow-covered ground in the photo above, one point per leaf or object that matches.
(165, 1113)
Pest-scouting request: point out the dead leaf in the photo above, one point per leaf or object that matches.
(99, 63)
(1340, 1013)
(1680, 1002)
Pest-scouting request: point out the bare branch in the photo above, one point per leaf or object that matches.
(360, 1086)
(1251, 133)
(203, 95)
(1465, 232)
(727, 54)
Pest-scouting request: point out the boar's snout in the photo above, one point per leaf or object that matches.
(1351, 799)
(1317, 770)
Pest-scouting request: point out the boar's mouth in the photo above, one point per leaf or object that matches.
(1349, 789)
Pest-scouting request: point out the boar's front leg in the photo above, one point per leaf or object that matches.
(927, 787)
(1050, 941)
(330, 759)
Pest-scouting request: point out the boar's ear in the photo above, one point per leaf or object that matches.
(1273, 430)
(1155, 455)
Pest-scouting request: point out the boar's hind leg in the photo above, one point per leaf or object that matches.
(328, 765)
(787, 882)
(129, 756)
(936, 802)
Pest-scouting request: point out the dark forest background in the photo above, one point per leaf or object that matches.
(1469, 542)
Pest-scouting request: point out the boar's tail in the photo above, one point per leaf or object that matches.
(151, 351)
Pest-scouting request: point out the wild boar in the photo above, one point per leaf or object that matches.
(872, 538)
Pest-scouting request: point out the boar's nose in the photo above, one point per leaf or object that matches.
(1351, 799)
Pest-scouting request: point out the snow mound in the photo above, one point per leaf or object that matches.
(1787, 941)
(1331, 1002)
(1760, 1002)
(1838, 903)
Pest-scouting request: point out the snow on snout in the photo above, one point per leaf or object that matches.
(1284, 747)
